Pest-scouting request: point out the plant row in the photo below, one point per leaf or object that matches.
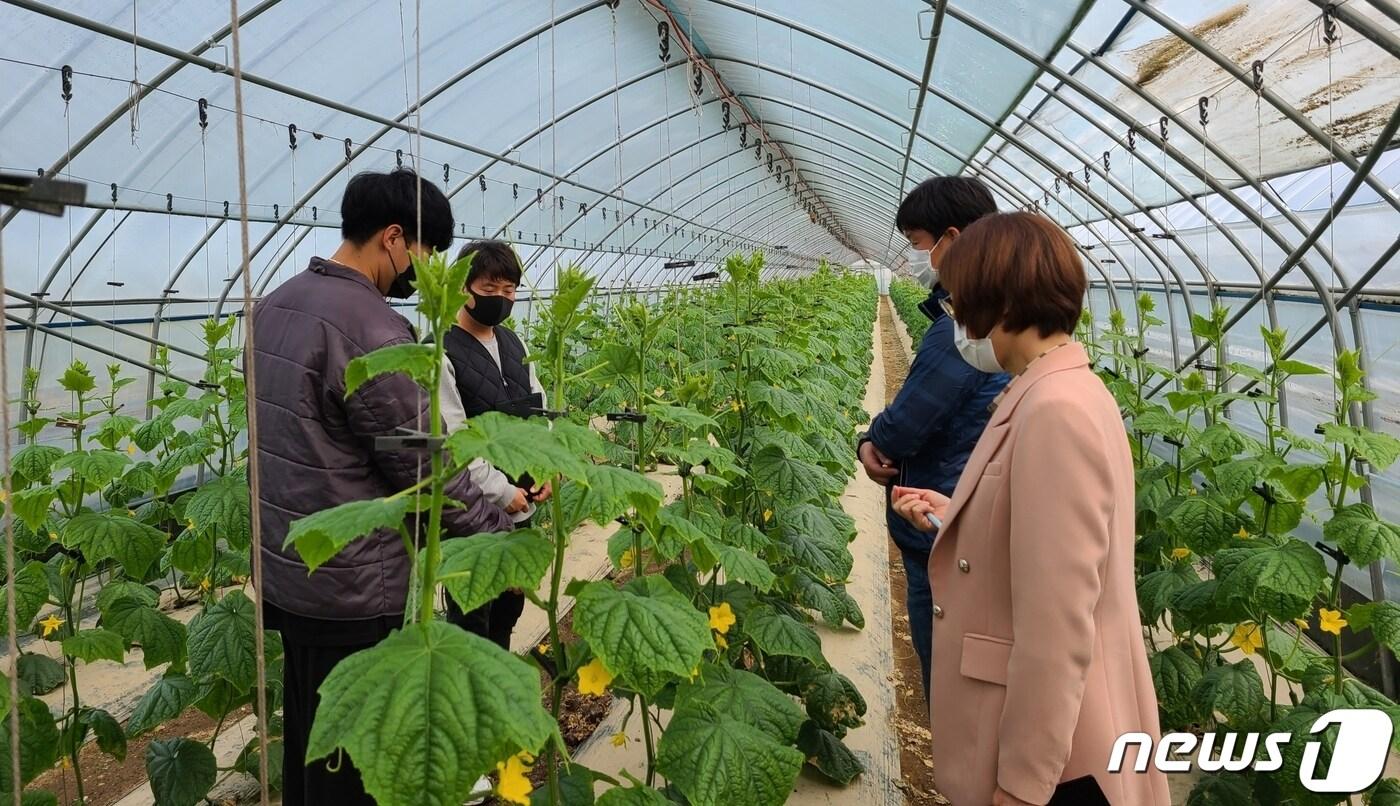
(749, 392)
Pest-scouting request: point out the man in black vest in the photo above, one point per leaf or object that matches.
(484, 370)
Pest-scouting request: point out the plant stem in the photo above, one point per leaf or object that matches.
(1336, 639)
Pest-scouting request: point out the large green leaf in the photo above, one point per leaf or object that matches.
(162, 638)
(31, 592)
(777, 633)
(221, 508)
(1174, 675)
(811, 543)
(31, 506)
(321, 536)
(39, 674)
(477, 569)
(744, 566)
(38, 743)
(1382, 618)
(1234, 690)
(787, 479)
(166, 699)
(1381, 450)
(222, 642)
(95, 644)
(633, 796)
(746, 697)
(110, 738)
(833, 701)
(717, 760)
(181, 771)
(34, 463)
(1202, 524)
(107, 536)
(646, 631)
(517, 446)
(1357, 530)
(611, 490)
(1226, 789)
(1280, 579)
(427, 711)
(828, 754)
(832, 601)
(1156, 589)
(689, 419)
(413, 360)
(97, 468)
(192, 553)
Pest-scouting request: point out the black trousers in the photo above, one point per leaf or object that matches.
(312, 648)
(494, 620)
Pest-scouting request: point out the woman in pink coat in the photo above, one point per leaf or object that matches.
(1038, 655)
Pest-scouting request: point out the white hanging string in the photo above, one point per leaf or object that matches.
(250, 392)
(12, 633)
(134, 89)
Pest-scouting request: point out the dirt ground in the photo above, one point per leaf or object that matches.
(912, 721)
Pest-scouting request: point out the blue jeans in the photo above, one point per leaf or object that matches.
(919, 598)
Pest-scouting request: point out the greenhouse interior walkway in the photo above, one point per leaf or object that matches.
(655, 566)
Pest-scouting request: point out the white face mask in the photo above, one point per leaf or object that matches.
(977, 352)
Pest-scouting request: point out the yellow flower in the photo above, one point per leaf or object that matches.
(53, 535)
(1331, 621)
(1301, 622)
(767, 515)
(1248, 637)
(4, 496)
(628, 558)
(513, 786)
(721, 642)
(619, 740)
(594, 678)
(694, 673)
(204, 584)
(131, 513)
(131, 448)
(1180, 553)
(189, 524)
(659, 392)
(734, 405)
(1242, 534)
(543, 648)
(721, 618)
(1191, 491)
(51, 624)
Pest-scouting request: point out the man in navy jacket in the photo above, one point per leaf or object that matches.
(923, 438)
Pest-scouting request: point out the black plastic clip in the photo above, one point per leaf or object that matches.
(724, 110)
(548, 414)
(1171, 440)
(348, 157)
(67, 78)
(1105, 162)
(446, 172)
(515, 190)
(1057, 186)
(697, 79)
(1204, 367)
(1132, 138)
(410, 441)
(292, 135)
(1330, 33)
(1140, 352)
(1135, 230)
(1255, 392)
(561, 202)
(170, 202)
(1263, 491)
(743, 137)
(1162, 127)
(1203, 106)
(276, 210)
(583, 208)
(539, 197)
(626, 416)
(226, 209)
(663, 31)
(1164, 236)
(481, 182)
(1320, 430)
(203, 113)
(1086, 174)
(707, 275)
(1258, 75)
(758, 150)
(1338, 556)
(115, 283)
(398, 156)
(314, 213)
(114, 193)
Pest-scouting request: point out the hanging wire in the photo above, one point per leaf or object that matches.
(617, 128)
(134, 89)
(250, 392)
(12, 631)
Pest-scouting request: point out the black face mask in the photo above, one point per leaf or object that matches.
(491, 310)
(402, 285)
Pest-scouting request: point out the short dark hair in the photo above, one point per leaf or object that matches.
(494, 260)
(1019, 270)
(373, 201)
(942, 202)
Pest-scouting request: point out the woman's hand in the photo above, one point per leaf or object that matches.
(1004, 798)
(915, 505)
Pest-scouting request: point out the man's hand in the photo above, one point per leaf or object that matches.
(877, 465)
(915, 505)
(1004, 798)
(519, 503)
(542, 493)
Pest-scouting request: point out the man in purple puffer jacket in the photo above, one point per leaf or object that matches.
(316, 450)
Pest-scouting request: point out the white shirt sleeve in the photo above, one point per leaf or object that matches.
(493, 483)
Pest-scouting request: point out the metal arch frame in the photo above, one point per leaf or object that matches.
(285, 90)
(1067, 79)
(1010, 189)
(873, 220)
(146, 88)
(1087, 192)
(685, 35)
(1334, 149)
